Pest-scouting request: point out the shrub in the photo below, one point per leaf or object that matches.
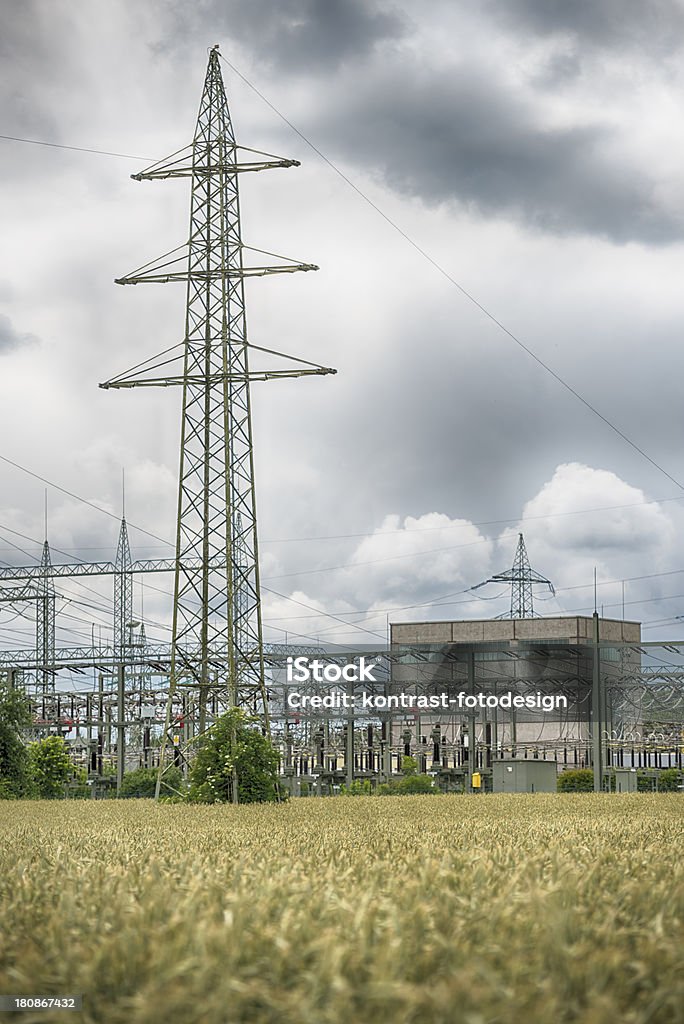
(415, 784)
(142, 782)
(408, 785)
(668, 780)
(234, 749)
(359, 787)
(15, 716)
(51, 766)
(576, 780)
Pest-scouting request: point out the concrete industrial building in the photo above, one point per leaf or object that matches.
(502, 663)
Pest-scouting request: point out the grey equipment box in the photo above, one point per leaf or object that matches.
(625, 780)
(513, 775)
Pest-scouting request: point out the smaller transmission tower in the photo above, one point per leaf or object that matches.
(45, 622)
(521, 578)
(123, 594)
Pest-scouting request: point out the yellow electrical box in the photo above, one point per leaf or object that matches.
(476, 780)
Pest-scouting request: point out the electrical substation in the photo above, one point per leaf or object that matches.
(144, 703)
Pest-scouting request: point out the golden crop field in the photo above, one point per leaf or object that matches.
(501, 909)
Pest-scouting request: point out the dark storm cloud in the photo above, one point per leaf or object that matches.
(11, 338)
(460, 136)
(649, 25)
(298, 35)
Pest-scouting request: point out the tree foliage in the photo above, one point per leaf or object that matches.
(576, 780)
(234, 749)
(410, 784)
(15, 716)
(142, 782)
(669, 780)
(409, 765)
(51, 766)
(359, 787)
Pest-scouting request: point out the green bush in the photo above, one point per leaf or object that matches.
(408, 785)
(142, 782)
(415, 784)
(576, 780)
(51, 767)
(77, 788)
(234, 749)
(359, 787)
(668, 780)
(15, 716)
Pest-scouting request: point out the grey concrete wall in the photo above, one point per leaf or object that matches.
(572, 628)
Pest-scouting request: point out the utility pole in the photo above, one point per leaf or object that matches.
(217, 605)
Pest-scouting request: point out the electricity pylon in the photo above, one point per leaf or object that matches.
(217, 606)
(123, 594)
(45, 621)
(521, 578)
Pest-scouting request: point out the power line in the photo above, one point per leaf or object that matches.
(75, 149)
(78, 497)
(465, 525)
(446, 602)
(327, 615)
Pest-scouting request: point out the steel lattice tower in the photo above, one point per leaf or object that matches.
(123, 594)
(45, 620)
(217, 607)
(521, 578)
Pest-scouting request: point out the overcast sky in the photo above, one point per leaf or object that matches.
(533, 149)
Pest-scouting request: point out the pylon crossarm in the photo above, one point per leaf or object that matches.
(180, 165)
(128, 378)
(217, 378)
(163, 270)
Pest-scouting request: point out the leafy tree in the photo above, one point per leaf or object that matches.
(409, 765)
(234, 749)
(15, 716)
(51, 766)
(668, 780)
(576, 780)
(142, 782)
